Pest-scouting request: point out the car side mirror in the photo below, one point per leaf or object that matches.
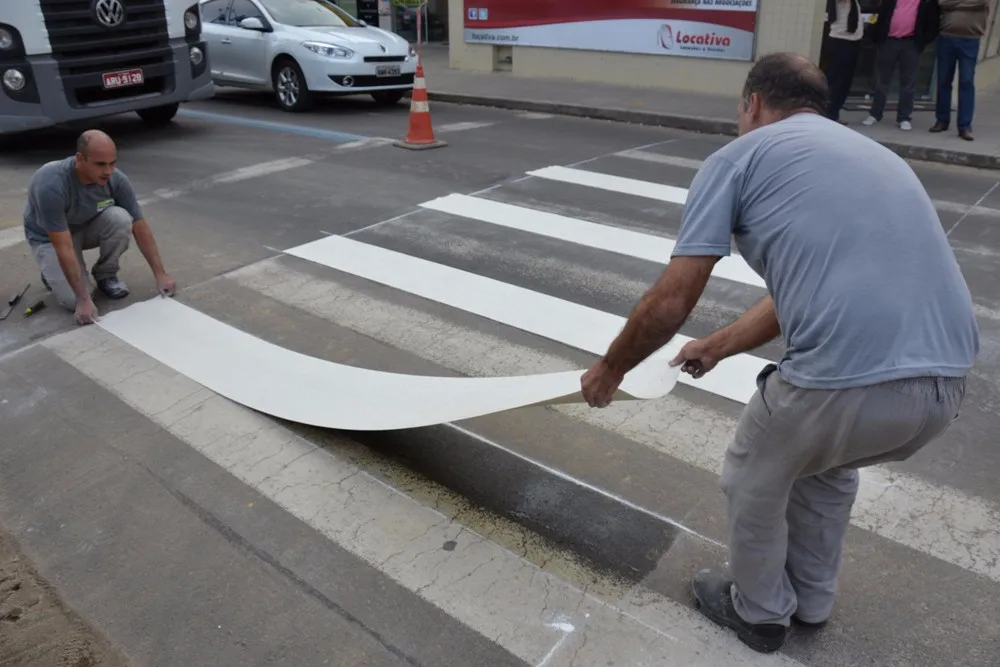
(252, 23)
(362, 23)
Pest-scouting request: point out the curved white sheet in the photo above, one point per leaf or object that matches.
(296, 387)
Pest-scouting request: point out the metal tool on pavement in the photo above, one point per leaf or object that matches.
(31, 310)
(13, 301)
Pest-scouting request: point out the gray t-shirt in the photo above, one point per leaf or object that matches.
(866, 286)
(58, 201)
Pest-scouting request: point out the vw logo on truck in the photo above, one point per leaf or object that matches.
(109, 13)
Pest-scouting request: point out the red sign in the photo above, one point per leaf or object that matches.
(699, 28)
(128, 77)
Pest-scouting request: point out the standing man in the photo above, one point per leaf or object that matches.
(84, 202)
(843, 46)
(902, 30)
(876, 319)
(963, 23)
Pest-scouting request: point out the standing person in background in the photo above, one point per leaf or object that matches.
(903, 29)
(963, 23)
(846, 30)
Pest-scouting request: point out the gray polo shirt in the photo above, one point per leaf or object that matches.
(57, 201)
(866, 286)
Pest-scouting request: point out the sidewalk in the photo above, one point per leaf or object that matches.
(698, 112)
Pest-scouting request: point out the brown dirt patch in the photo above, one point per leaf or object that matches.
(36, 628)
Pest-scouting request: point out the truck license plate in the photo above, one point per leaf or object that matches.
(128, 77)
(387, 70)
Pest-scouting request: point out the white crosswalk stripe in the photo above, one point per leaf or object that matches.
(383, 285)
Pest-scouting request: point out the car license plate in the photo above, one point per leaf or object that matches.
(387, 70)
(127, 77)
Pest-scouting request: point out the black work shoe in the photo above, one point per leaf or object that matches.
(113, 287)
(715, 600)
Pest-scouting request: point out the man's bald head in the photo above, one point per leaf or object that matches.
(780, 84)
(93, 140)
(96, 157)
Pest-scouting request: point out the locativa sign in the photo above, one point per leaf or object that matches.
(692, 28)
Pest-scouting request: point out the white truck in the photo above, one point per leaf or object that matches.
(72, 60)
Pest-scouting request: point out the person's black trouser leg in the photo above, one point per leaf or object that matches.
(909, 60)
(885, 64)
(841, 61)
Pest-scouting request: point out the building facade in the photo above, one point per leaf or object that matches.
(699, 46)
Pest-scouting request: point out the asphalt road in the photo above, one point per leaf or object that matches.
(192, 531)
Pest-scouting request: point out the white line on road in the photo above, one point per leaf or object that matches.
(593, 235)
(955, 527)
(629, 186)
(569, 323)
(691, 163)
(461, 127)
(479, 583)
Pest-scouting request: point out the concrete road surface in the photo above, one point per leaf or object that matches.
(191, 531)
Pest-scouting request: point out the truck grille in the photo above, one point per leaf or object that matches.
(84, 49)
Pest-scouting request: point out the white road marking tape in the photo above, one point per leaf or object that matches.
(11, 236)
(569, 323)
(215, 355)
(534, 115)
(629, 186)
(259, 170)
(955, 527)
(491, 590)
(461, 127)
(692, 163)
(603, 237)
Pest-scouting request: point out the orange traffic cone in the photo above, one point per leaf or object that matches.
(420, 134)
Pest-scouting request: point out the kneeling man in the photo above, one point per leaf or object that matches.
(84, 202)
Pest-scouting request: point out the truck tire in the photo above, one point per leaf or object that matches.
(158, 116)
(290, 89)
(387, 98)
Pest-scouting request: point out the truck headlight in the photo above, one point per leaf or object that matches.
(329, 50)
(196, 55)
(6, 39)
(190, 20)
(14, 79)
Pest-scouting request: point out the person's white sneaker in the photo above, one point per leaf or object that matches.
(906, 125)
(869, 121)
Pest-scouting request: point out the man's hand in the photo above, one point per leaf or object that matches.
(165, 285)
(86, 311)
(599, 384)
(698, 357)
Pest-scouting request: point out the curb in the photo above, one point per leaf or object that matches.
(697, 124)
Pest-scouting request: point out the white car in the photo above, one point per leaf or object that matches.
(303, 48)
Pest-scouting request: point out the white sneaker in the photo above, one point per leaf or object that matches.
(869, 121)
(906, 125)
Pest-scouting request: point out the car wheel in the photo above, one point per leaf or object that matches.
(290, 89)
(388, 97)
(158, 116)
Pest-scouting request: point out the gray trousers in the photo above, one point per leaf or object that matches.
(790, 478)
(892, 52)
(110, 231)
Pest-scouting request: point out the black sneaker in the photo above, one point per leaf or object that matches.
(714, 595)
(113, 287)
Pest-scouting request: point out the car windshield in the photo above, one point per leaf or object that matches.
(309, 13)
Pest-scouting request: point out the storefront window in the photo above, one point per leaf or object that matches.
(434, 20)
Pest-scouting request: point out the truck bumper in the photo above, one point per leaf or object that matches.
(45, 102)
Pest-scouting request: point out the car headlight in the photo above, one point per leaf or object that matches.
(190, 20)
(6, 39)
(329, 50)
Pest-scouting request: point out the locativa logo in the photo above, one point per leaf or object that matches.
(669, 37)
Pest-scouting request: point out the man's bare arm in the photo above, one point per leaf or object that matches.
(754, 328)
(660, 313)
(62, 243)
(147, 246)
